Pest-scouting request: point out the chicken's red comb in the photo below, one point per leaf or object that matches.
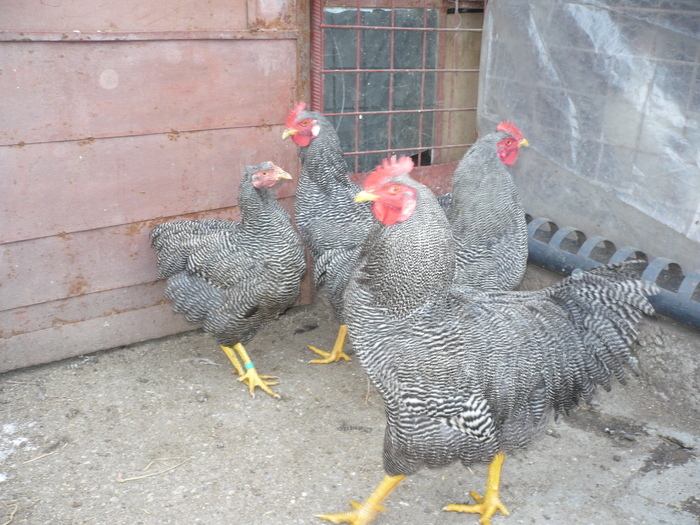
(389, 168)
(510, 128)
(294, 114)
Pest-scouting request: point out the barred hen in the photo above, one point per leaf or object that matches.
(234, 277)
(331, 225)
(469, 375)
(486, 213)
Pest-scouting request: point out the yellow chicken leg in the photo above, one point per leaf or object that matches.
(337, 353)
(490, 503)
(234, 360)
(365, 513)
(247, 372)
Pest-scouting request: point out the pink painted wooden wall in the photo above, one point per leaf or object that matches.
(115, 117)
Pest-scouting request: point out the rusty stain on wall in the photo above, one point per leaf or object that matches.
(78, 285)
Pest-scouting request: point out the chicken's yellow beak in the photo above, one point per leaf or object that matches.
(523, 142)
(281, 174)
(289, 132)
(364, 196)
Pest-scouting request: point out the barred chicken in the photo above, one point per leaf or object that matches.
(234, 277)
(469, 375)
(486, 213)
(331, 225)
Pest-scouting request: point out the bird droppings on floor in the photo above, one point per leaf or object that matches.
(162, 433)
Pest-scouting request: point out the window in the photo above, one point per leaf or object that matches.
(398, 79)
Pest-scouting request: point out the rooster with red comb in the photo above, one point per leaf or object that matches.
(467, 375)
(331, 225)
(486, 213)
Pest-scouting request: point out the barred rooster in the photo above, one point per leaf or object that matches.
(470, 375)
(486, 214)
(234, 277)
(331, 225)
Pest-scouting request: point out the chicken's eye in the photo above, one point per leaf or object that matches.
(263, 173)
(509, 142)
(304, 123)
(393, 190)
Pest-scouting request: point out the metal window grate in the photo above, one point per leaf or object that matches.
(397, 77)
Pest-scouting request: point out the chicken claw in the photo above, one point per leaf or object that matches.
(490, 503)
(357, 516)
(364, 513)
(247, 372)
(253, 379)
(337, 353)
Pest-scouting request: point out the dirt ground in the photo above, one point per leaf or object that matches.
(162, 433)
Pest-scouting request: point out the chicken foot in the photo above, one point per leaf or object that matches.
(490, 503)
(364, 513)
(247, 372)
(337, 353)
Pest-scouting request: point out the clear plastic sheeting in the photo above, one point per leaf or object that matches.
(608, 94)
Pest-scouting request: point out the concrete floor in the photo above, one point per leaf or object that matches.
(162, 433)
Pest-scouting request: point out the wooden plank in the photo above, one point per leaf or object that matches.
(112, 89)
(147, 36)
(77, 309)
(461, 51)
(68, 340)
(76, 264)
(64, 340)
(74, 186)
(73, 310)
(131, 15)
(92, 306)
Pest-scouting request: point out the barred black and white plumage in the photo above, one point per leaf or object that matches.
(486, 214)
(233, 277)
(332, 226)
(465, 374)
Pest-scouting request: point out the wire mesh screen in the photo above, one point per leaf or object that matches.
(396, 79)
